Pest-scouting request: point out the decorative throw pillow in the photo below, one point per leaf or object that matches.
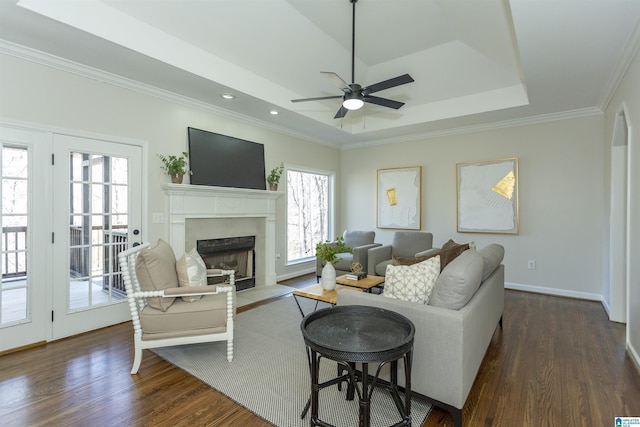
(492, 255)
(450, 251)
(403, 260)
(156, 271)
(412, 282)
(191, 271)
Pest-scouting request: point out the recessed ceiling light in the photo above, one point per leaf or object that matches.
(227, 96)
(274, 112)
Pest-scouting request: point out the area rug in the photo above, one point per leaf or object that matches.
(269, 374)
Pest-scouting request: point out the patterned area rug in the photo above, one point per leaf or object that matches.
(269, 374)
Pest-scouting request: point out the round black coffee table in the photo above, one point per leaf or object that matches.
(353, 334)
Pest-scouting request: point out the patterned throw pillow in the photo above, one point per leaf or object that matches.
(412, 282)
(191, 272)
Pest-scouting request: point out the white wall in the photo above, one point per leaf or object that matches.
(50, 98)
(561, 197)
(627, 100)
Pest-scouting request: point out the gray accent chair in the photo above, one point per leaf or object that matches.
(359, 242)
(404, 244)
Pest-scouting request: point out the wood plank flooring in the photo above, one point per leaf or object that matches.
(557, 361)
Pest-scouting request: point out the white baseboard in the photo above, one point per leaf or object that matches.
(633, 355)
(298, 273)
(554, 291)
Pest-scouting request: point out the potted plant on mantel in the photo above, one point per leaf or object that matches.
(328, 252)
(175, 166)
(274, 178)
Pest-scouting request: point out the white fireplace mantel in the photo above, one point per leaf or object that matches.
(184, 202)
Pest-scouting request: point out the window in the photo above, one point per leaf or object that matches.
(309, 215)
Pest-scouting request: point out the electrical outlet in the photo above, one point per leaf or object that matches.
(531, 265)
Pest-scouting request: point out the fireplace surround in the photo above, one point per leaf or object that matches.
(198, 212)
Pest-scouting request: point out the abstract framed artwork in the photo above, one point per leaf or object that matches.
(487, 199)
(399, 198)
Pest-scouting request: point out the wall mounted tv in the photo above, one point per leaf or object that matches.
(225, 161)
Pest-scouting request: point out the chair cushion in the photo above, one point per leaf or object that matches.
(191, 271)
(412, 282)
(156, 271)
(458, 282)
(208, 312)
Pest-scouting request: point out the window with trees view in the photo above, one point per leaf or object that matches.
(309, 197)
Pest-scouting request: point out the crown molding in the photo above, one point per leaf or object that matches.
(631, 48)
(563, 115)
(86, 71)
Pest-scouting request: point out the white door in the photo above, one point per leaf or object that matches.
(97, 214)
(24, 287)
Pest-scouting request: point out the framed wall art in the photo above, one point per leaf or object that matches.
(399, 198)
(488, 196)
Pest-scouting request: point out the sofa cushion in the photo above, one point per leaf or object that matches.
(156, 271)
(412, 282)
(191, 271)
(492, 256)
(458, 282)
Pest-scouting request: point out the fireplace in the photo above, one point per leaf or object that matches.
(200, 212)
(232, 253)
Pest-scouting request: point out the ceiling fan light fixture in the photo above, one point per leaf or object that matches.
(352, 101)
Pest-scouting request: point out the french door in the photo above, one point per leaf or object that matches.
(96, 215)
(24, 257)
(64, 220)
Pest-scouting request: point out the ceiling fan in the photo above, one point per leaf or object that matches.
(356, 95)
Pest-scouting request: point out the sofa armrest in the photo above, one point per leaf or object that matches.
(376, 256)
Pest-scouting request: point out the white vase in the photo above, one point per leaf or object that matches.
(328, 277)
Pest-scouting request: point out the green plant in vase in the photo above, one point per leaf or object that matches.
(175, 166)
(328, 252)
(274, 177)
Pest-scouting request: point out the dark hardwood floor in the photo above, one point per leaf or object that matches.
(557, 362)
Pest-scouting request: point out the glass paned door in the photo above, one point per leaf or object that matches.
(23, 257)
(102, 210)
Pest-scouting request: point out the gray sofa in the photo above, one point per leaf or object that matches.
(359, 242)
(450, 342)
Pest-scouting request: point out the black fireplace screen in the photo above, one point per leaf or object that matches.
(232, 253)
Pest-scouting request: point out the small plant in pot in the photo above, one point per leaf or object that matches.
(274, 177)
(328, 252)
(175, 166)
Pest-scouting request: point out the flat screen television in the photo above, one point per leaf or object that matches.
(225, 161)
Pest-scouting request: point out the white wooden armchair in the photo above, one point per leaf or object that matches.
(165, 314)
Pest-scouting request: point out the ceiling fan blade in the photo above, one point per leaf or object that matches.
(320, 98)
(337, 80)
(396, 81)
(383, 101)
(341, 113)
